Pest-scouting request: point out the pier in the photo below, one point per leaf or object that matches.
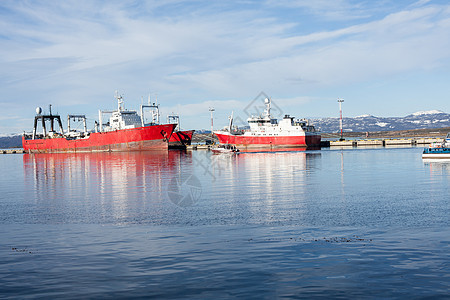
(204, 142)
(198, 147)
(12, 151)
(384, 142)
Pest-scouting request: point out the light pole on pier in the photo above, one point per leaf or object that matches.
(340, 100)
(211, 109)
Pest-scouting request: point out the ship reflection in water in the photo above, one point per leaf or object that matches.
(151, 187)
(112, 187)
(308, 188)
(258, 187)
(278, 177)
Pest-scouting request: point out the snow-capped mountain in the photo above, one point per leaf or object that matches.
(418, 120)
(6, 135)
(428, 112)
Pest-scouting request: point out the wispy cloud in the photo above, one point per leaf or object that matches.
(330, 10)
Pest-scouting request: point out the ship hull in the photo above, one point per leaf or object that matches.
(255, 141)
(181, 139)
(436, 156)
(436, 153)
(153, 137)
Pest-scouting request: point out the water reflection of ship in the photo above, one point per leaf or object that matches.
(269, 173)
(438, 167)
(109, 183)
(279, 149)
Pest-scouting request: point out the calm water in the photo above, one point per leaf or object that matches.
(365, 223)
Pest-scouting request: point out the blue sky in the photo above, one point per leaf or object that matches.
(385, 58)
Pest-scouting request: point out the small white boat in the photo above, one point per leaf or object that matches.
(440, 150)
(224, 148)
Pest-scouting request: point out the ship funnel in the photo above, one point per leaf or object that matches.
(38, 110)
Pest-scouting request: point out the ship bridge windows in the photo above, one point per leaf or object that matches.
(309, 128)
(132, 120)
(261, 121)
(298, 123)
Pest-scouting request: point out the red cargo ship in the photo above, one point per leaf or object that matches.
(266, 132)
(125, 131)
(179, 139)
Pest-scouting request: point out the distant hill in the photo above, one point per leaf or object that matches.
(14, 141)
(418, 120)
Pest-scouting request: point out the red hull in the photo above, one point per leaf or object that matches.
(181, 138)
(143, 138)
(242, 141)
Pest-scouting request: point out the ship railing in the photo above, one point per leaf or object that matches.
(76, 134)
(28, 135)
(237, 131)
(40, 136)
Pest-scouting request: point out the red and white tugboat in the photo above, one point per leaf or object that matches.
(125, 131)
(267, 132)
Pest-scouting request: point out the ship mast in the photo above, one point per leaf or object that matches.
(154, 111)
(267, 110)
(119, 101)
(230, 125)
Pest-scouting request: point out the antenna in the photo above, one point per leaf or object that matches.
(340, 100)
(211, 109)
(267, 102)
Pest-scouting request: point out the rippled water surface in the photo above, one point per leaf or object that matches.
(365, 223)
